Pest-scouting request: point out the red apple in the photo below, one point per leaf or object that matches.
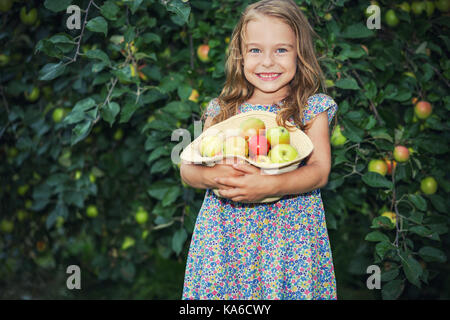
(202, 52)
(401, 153)
(423, 109)
(258, 145)
(391, 165)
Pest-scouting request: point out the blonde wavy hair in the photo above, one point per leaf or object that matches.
(308, 77)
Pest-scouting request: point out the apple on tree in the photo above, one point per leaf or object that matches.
(202, 52)
(391, 215)
(423, 109)
(428, 185)
(378, 166)
(401, 154)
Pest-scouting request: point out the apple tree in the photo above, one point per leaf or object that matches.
(93, 98)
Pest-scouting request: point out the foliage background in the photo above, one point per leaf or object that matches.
(117, 130)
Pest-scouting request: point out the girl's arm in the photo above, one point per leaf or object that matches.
(315, 173)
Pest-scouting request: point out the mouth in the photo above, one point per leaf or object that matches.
(268, 76)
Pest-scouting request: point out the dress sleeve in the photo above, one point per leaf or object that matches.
(319, 103)
(213, 108)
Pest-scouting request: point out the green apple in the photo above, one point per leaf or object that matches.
(6, 226)
(58, 115)
(283, 153)
(429, 8)
(404, 6)
(378, 166)
(423, 109)
(401, 154)
(33, 95)
(21, 214)
(23, 189)
(235, 146)
(141, 215)
(428, 185)
(78, 174)
(28, 18)
(278, 135)
(211, 146)
(337, 138)
(391, 18)
(92, 211)
(127, 243)
(252, 127)
(4, 59)
(442, 5)
(118, 134)
(417, 7)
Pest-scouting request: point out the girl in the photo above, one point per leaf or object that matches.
(278, 250)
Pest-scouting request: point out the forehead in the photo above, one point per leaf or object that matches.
(268, 30)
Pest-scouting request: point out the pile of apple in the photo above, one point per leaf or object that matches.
(252, 141)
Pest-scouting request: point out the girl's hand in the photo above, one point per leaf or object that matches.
(224, 168)
(250, 187)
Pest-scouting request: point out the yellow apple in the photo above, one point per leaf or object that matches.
(235, 146)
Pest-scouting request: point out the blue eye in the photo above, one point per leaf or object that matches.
(253, 49)
(282, 49)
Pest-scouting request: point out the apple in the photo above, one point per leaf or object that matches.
(23, 189)
(278, 135)
(337, 138)
(257, 145)
(414, 100)
(211, 146)
(141, 215)
(92, 211)
(379, 166)
(40, 246)
(391, 18)
(127, 243)
(78, 174)
(33, 95)
(417, 7)
(442, 5)
(58, 114)
(251, 127)
(283, 153)
(428, 185)
(404, 6)
(6, 226)
(21, 215)
(28, 18)
(328, 16)
(118, 134)
(202, 52)
(423, 109)
(5, 5)
(391, 165)
(391, 215)
(261, 159)
(235, 146)
(194, 95)
(429, 8)
(401, 154)
(4, 59)
(409, 74)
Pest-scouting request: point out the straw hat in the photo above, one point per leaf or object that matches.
(230, 127)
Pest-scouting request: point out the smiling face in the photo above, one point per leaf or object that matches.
(270, 57)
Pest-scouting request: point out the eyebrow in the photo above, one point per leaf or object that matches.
(276, 45)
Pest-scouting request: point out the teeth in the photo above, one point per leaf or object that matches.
(269, 75)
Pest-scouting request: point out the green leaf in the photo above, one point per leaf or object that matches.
(109, 112)
(438, 202)
(179, 110)
(181, 9)
(171, 195)
(376, 236)
(347, 83)
(109, 10)
(382, 222)
(383, 247)
(376, 180)
(158, 152)
(418, 201)
(184, 92)
(98, 54)
(128, 111)
(159, 189)
(57, 5)
(161, 166)
(80, 131)
(392, 290)
(98, 24)
(357, 31)
(389, 275)
(59, 211)
(178, 240)
(51, 71)
(412, 268)
(430, 254)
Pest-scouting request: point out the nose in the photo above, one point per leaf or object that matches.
(268, 59)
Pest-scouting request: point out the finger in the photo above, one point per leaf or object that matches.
(246, 168)
(230, 182)
(230, 193)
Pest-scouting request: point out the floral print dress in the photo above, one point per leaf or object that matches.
(278, 250)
